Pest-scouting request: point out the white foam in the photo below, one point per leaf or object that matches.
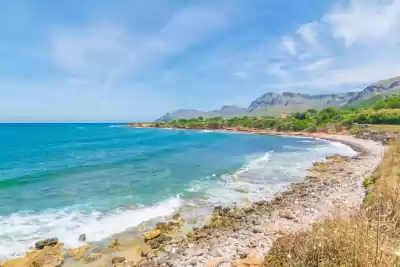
(19, 232)
(304, 141)
(265, 175)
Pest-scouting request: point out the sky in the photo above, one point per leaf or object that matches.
(100, 60)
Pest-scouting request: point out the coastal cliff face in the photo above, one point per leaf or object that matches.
(274, 104)
(225, 111)
(377, 91)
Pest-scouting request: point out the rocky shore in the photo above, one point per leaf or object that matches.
(234, 236)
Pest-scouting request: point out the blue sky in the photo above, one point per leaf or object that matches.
(135, 60)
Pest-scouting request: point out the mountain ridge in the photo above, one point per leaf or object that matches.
(273, 104)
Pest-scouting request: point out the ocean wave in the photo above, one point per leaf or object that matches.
(264, 176)
(18, 232)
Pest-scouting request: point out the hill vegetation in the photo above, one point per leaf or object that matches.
(385, 111)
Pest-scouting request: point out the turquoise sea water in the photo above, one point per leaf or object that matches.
(62, 180)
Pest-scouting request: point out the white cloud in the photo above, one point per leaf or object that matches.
(241, 75)
(343, 79)
(350, 46)
(365, 21)
(105, 52)
(290, 44)
(317, 65)
(95, 52)
(309, 32)
(276, 70)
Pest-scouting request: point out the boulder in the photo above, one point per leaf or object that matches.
(48, 256)
(82, 237)
(152, 234)
(77, 253)
(162, 226)
(114, 243)
(117, 259)
(92, 257)
(50, 242)
(154, 244)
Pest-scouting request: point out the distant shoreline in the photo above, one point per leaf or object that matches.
(316, 135)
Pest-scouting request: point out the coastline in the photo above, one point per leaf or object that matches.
(316, 135)
(333, 188)
(251, 230)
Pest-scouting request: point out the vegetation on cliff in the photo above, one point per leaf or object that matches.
(386, 111)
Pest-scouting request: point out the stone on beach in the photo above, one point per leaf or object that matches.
(77, 253)
(287, 214)
(50, 242)
(152, 234)
(117, 259)
(82, 237)
(114, 244)
(49, 256)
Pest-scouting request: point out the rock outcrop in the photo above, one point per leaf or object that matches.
(48, 256)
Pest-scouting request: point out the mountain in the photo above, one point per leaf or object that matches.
(225, 111)
(273, 104)
(376, 91)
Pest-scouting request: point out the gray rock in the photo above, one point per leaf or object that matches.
(82, 237)
(257, 230)
(50, 242)
(173, 262)
(117, 259)
(193, 261)
(287, 214)
(92, 257)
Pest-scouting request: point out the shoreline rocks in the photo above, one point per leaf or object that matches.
(50, 242)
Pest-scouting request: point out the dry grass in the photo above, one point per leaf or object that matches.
(385, 128)
(370, 238)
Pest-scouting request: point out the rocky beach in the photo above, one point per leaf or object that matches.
(233, 235)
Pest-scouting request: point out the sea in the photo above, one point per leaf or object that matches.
(64, 179)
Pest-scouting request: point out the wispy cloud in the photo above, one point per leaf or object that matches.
(365, 21)
(309, 32)
(241, 75)
(290, 44)
(356, 43)
(317, 65)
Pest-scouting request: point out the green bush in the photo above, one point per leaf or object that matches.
(368, 182)
(392, 102)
